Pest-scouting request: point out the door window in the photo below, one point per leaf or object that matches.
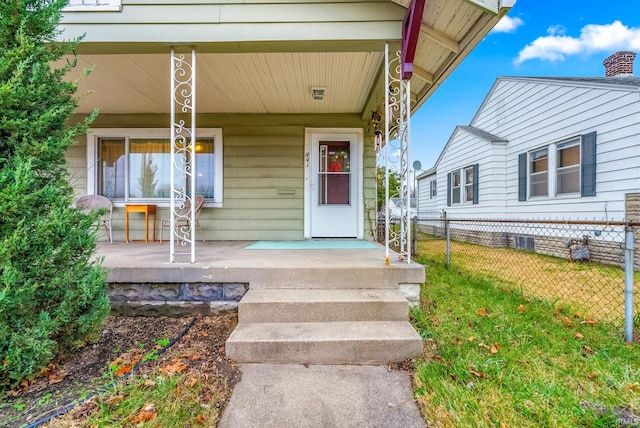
(334, 173)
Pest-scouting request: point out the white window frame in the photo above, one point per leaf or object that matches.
(565, 145)
(465, 184)
(530, 173)
(93, 135)
(433, 189)
(459, 187)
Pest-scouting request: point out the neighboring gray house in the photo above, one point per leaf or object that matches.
(543, 147)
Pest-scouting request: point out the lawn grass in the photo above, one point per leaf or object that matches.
(595, 289)
(153, 400)
(496, 357)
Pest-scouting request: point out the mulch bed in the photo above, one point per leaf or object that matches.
(82, 374)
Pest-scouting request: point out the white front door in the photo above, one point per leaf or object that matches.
(335, 175)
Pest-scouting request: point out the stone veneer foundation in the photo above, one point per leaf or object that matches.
(174, 299)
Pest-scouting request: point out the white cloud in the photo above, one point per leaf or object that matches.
(507, 25)
(557, 30)
(593, 38)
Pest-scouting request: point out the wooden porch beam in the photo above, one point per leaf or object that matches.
(410, 34)
(423, 74)
(440, 38)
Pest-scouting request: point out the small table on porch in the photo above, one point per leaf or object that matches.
(140, 208)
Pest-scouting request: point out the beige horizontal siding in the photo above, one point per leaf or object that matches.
(76, 157)
(263, 176)
(255, 168)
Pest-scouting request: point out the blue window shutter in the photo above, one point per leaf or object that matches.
(449, 189)
(476, 167)
(522, 177)
(588, 164)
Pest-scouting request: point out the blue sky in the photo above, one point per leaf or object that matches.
(536, 38)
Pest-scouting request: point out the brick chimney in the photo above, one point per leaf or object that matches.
(619, 64)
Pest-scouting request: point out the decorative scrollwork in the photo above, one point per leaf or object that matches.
(397, 156)
(182, 154)
(183, 81)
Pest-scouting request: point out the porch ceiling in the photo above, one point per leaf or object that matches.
(266, 70)
(268, 82)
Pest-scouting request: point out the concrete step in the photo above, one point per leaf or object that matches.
(364, 342)
(311, 274)
(292, 305)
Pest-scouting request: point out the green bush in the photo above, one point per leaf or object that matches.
(52, 293)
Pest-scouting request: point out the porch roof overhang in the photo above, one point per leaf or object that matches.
(259, 57)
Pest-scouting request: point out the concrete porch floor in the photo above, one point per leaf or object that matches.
(230, 262)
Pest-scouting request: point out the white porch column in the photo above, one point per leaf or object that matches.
(397, 155)
(183, 156)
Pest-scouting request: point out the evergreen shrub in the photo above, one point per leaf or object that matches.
(52, 292)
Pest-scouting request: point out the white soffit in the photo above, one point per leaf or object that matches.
(276, 77)
(232, 83)
(489, 5)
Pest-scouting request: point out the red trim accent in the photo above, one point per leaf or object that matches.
(410, 33)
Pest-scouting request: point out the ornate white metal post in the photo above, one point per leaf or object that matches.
(183, 155)
(397, 156)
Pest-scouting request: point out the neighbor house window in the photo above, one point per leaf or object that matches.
(468, 184)
(135, 165)
(455, 187)
(462, 185)
(433, 189)
(572, 170)
(568, 170)
(538, 172)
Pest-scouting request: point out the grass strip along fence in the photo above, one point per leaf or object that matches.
(585, 265)
(498, 356)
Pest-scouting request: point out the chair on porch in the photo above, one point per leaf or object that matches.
(89, 203)
(185, 222)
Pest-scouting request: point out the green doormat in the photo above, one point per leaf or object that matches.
(312, 245)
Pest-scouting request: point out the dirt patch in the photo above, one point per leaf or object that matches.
(75, 377)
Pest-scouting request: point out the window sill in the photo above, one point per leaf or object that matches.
(110, 6)
(163, 204)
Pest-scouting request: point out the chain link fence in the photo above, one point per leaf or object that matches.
(587, 265)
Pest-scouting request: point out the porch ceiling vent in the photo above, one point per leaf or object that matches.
(317, 93)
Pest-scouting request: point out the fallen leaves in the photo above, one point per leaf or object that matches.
(477, 374)
(493, 349)
(57, 377)
(566, 321)
(146, 414)
(122, 370)
(125, 363)
(176, 365)
(521, 308)
(114, 401)
(578, 336)
(52, 373)
(483, 312)
(190, 381)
